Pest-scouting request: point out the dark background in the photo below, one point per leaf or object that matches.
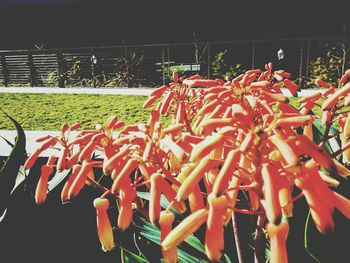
(112, 22)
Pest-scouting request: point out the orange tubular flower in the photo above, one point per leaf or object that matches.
(109, 165)
(295, 121)
(311, 98)
(174, 130)
(285, 196)
(308, 131)
(165, 221)
(80, 180)
(32, 159)
(214, 235)
(166, 103)
(291, 86)
(272, 186)
(73, 159)
(160, 185)
(194, 177)
(154, 202)
(196, 199)
(274, 97)
(41, 188)
(75, 171)
(85, 154)
(159, 91)
(74, 126)
(104, 228)
(334, 98)
(127, 196)
(226, 172)
(209, 107)
(215, 123)
(151, 100)
(321, 209)
(50, 142)
(180, 113)
(247, 142)
(261, 84)
(345, 77)
(186, 227)
(206, 146)
(122, 178)
(305, 146)
(112, 120)
(278, 236)
(231, 198)
(286, 151)
(322, 84)
(62, 160)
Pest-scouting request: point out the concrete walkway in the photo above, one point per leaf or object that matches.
(144, 91)
(31, 144)
(108, 91)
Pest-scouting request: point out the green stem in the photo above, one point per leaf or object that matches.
(306, 242)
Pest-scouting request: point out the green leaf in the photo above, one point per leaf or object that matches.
(164, 203)
(306, 242)
(132, 258)
(331, 145)
(227, 259)
(57, 179)
(194, 242)
(21, 176)
(152, 233)
(12, 165)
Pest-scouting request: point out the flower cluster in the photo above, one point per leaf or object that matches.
(225, 137)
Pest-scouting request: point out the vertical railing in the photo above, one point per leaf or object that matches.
(253, 54)
(307, 59)
(209, 62)
(60, 68)
(301, 62)
(302, 49)
(5, 71)
(163, 64)
(32, 70)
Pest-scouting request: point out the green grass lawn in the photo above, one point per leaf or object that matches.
(49, 111)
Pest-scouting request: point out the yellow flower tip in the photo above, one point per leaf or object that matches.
(187, 226)
(166, 218)
(101, 203)
(278, 236)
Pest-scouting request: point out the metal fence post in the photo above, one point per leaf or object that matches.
(307, 59)
(208, 45)
(168, 56)
(301, 62)
(163, 67)
(32, 70)
(5, 70)
(60, 68)
(253, 54)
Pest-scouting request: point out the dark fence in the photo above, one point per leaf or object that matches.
(149, 65)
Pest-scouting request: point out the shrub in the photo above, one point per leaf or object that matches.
(234, 147)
